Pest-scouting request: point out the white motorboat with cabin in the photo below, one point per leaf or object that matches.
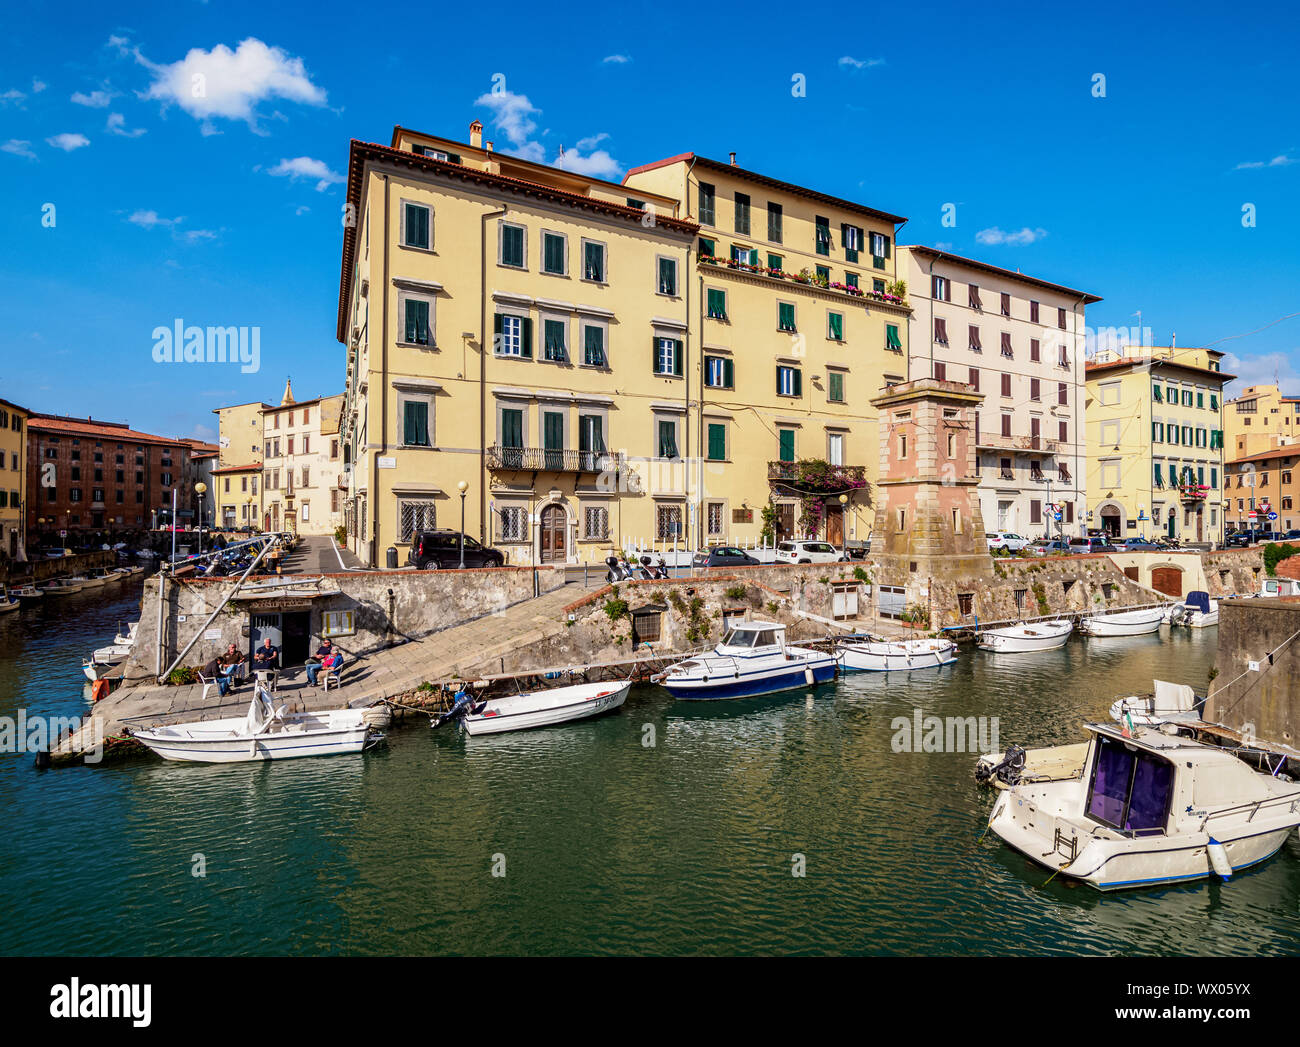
(8, 601)
(128, 636)
(264, 733)
(1026, 638)
(28, 593)
(519, 712)
(1150, 808)
(1168, 703)
(752, 659)
(1049, 763)
(103, 659)
(872, 654)
(1124, 623)
(62, 587)
(1198, 611)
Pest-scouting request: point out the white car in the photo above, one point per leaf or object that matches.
(1008, 540)
(807, 552)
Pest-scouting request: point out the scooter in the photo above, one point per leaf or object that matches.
(619, 571)
(658, 572)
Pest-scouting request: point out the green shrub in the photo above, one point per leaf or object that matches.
(736, 592)
(1275, 554)
(182, 675)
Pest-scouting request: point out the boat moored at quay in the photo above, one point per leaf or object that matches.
(871, 654)
(1124, 623)
(752, 659)
(1025, 638)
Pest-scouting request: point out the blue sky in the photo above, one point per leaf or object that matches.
(223, 209)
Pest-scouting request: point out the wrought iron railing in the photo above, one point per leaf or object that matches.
(545, 459)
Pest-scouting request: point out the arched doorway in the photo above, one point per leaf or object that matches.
(1112, 519)
(553, 527)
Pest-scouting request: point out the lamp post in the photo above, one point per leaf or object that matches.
(463, 486)
(200, 489)
(844, 526)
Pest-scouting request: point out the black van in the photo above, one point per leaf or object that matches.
(440, 550)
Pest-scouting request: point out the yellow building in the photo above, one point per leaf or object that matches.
(13, 480)
(236, 495)
(1259, 419)
(302, 463)
(239, 433)
(1156, 452)
(559, 345)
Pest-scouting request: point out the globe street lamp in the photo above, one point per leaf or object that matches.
(844, 529)
(462, 487)
(200, 489)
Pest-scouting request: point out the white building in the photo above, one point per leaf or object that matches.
(302, 464)
(1019, 341)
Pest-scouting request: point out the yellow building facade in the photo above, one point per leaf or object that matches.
(302, 463)
(13, 480)
(1156, 448)
(1260, 418)
(600, 365)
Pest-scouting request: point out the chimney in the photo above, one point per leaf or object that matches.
(487, 146)
(733, 159)
(476, 134)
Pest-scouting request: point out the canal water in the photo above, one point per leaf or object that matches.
(608, 844)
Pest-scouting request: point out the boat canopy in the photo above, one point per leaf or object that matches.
(1173, 698)
(1198, 601)
(754, 634)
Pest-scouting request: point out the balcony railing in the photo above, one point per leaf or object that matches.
(545, 459)
(796, 474)
(1192, 492)
(996, 441)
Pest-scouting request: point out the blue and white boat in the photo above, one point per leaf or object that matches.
(752, 659)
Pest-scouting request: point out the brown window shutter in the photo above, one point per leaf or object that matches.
(1035, 350)
(1006, 425)
(975, 378)
(940, 330)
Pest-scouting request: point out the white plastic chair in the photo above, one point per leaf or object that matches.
(334, 674)
(209, 683)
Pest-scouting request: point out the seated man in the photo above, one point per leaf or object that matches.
(329, 662)
(266, 657)
(216, 670)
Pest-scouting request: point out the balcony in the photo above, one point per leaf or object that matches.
(1193, 492)
(814, 475)
(803, 277)
(548, 460)
(994, 442)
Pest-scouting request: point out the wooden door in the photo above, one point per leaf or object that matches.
(1167, 580)
(554, 524)
(784, 521)
(835, 525)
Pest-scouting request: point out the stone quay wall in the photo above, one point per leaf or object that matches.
(1263, 702)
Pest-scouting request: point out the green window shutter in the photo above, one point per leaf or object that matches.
(677, 358)
(835, 386)
(1155, 394)
(886, 239)
(512, 428)
(1214, 402)
(1159, 478)
(891, 337)
(1214, 478)
(786, 437)
(707, 247)
(717, 442)
(717, 303)
(667, 276)
(1155, 432)
(594, 347)
(837, 326)
(654, 356)
(415, 423)
(526, 337)
(1200, 399)
(553, 332)
(775, 261)
(729, 374)
(798, 382)
(785, 316)
(667, 439)
(554, 431)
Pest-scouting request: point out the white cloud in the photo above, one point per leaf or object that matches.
(596, 165)
(38, 86)
(306, 167)
(512, 114)
(302, 210)
(19, 147)
(1262, 369)
(117, 124)
(150, 220)
(587, 144)
(1277, 161)
(849, 62)
(14, 96)
(68, 141)
(153, 220)
(227, 84)
(1017, 238)
(616, 59)
(94, 100)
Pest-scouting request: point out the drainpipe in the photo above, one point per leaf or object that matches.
(482, 379)
(383, 394)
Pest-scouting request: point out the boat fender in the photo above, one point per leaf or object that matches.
(42, 760)
(1219, 858)
(99, 690)
(808, 677)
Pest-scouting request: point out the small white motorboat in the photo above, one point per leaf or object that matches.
(1169, 703)
(752, 659)
(1026, 637)
(8, 601)
(1149, 809)
(127, 637)
(28, 593)
(1198, 611)
(103, 659)
(89, 581)
(264, 733)
(1124, 623)
(1050, 763)
(519, 712)
(883, 656)
(63, 587)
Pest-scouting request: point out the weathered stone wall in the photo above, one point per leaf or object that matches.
(388, 606)
(1266, 702)
(1230, 572)
(46, 568)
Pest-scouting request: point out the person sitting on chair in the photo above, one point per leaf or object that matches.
(216, 670)
(330, 662)
(266, 657)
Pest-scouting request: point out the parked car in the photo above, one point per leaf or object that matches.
(1007, 540)
(723, 556)
(440, 550)
(1137, 545)
(1292, 535)
(808, 552)
(1083, 546)
(1238, 539)
(1048, 547)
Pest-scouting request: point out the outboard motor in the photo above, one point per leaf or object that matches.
(1008, 771)
(458, 708)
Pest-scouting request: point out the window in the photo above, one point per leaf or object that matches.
(1060, 319)
(416, 318)
(1005, 469)
(851, 279)
(717, 446)
(1033, 311)
(668, 276)
(774, 217)
(785, 444)
(1035, 389)
(415, 423)
(555, 339)
(1006, 385)
(1006, 425)
(941, 371)
(941, 330)
(715, 519)
(668, 357)
(1063, 432)
(879, 243)
(1035, 350)
(835, 326)
(974, 380)
(902, 445)
(706, 204)
(835, 386)
(823, 275)
(667, 438)
(415, 225)
(1006, 345)
(719, 372)
(717, 303)
(591, 436)
(1064, 359)
(835, 448)
(776, 262)
(668, 522)
(785, 316)
(974, 339)
(1006, 304)
(555, 254)
(789, 381)
(415, 516)
(891, 338)
(1063, 394)
(513, 246)
(595, 522)
(593, 261)
(513, 335)
(742, 214)
(707, 248)
(940, 289)
(823, 234)
(593, 345)
(1157, 395)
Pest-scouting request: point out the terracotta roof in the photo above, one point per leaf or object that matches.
(997, 270)
(255, 467)
(771, 183)
(360, 152)
(1286, 451)
(118, 431)
(1142, 361)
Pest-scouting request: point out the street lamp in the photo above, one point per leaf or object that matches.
(844, 527)
(463, 486)
(200, 489)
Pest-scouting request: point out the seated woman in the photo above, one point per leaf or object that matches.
(329, 662)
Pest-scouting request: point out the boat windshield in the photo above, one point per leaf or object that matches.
(1130, 789)
(750, 637)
